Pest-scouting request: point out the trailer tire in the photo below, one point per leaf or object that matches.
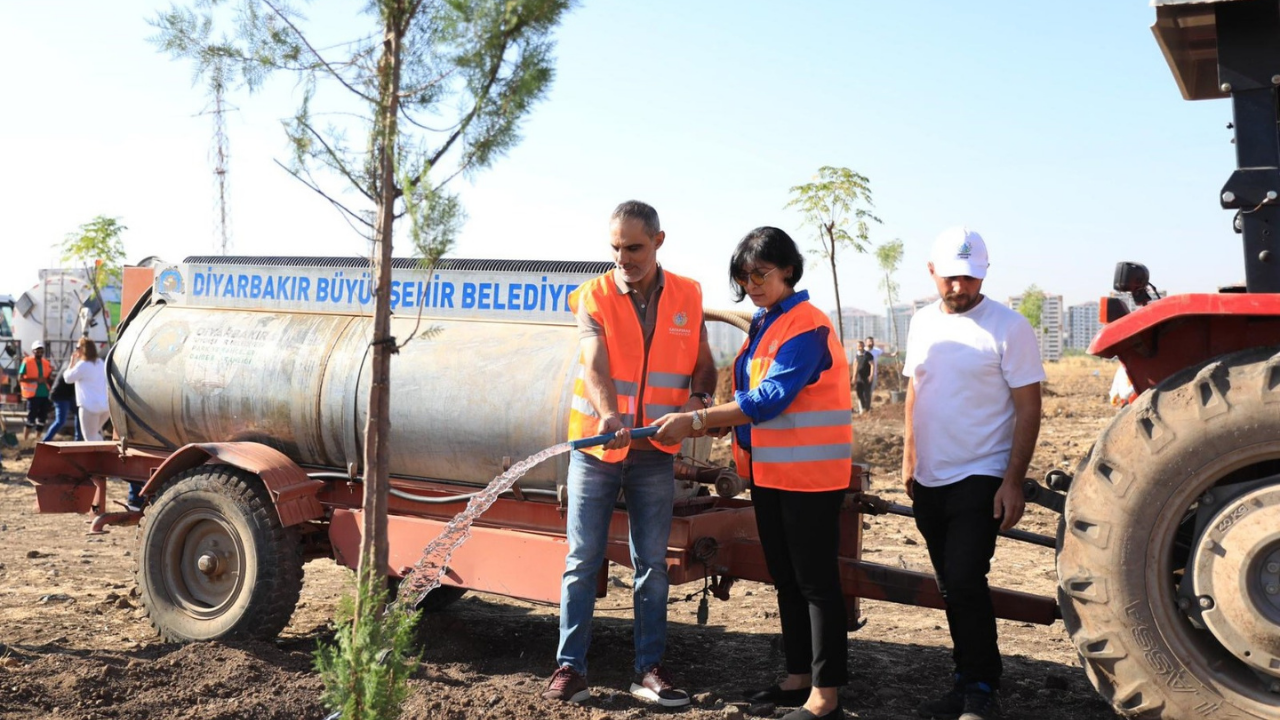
(1117, 561)
(213, 561)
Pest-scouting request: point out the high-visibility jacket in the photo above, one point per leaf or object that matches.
(37, 372)
(667, 369)
(809, 447)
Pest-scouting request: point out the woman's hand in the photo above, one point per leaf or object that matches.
(673, 428)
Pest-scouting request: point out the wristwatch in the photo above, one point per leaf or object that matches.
(704, 397)
(699, 419)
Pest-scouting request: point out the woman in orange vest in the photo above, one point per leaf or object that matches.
(793, 440)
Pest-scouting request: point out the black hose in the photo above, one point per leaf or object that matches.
(440, 500)
(113, 381)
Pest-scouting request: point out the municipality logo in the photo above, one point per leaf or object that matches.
(965, 250)
(681, 319)
(170, 282)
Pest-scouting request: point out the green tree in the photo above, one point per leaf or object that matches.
(97, 245)
(1032, 305)
(889, 257)
(443, 86)
(836, 197)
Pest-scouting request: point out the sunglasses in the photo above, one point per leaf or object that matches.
(756, 277)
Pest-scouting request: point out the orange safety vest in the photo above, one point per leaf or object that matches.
(809, 447)
(667, 371)
(37, 373)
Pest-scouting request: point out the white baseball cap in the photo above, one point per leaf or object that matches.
(37, 345)
(959, 251)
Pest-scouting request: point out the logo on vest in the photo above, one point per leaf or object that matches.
(773, 347)
(678, 322)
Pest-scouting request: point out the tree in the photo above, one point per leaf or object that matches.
(889, 257)
(97, 245)
(836, 196)
(1032, 305)
(443, 85)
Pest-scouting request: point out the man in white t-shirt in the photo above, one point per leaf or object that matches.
(972, 419)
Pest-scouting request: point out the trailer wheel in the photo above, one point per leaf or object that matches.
(1139, 531)
(214, 561)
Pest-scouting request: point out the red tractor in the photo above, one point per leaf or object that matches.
(1169, 550)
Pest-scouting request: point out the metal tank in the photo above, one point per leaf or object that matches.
(478, 383)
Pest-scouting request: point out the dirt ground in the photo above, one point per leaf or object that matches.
(75, 645)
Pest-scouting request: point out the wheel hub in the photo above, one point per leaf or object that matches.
(204, 561)
(209, 564)
(1236, 578)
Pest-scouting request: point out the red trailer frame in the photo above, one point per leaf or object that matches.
(517, 548)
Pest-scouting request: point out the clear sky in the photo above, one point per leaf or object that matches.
(1055, 130)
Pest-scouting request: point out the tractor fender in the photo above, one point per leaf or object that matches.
(1160, 339)
(293, 492)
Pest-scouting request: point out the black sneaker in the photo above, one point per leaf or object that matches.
(656, 687)
(567, 685)
(947, 707)
(981, 703)
(777, 696)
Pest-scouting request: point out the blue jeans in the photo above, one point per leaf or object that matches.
(648, 482)
(62, 411)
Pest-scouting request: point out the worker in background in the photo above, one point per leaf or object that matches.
(643, 353)
(63, 397)
(793, 440)
(864, 376)
(876, 351)
(972, 419)
(35, 375)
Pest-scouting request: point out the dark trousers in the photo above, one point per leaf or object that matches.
(37, 412)
(800, 536)
(960, 533)
(862, 388)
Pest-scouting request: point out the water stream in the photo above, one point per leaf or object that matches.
(425, 575)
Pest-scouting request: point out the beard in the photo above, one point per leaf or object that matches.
(960, 302)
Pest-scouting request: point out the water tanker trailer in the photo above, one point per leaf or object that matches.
(238, 393)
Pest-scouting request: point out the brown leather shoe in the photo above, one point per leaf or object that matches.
(567, 685)
(656, 687)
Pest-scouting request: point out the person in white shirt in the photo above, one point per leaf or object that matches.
(972, 419)
(89, 373)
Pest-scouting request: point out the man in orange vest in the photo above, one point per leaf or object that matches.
(35, 375)
(643, 353)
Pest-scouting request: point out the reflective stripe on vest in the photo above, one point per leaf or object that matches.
(36, 374)
(808, 447)
(673, 352)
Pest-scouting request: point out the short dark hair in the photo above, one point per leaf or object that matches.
(770, 245)
(636, 210)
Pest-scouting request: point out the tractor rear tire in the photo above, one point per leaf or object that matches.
(214, 562)
(1120, 556)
